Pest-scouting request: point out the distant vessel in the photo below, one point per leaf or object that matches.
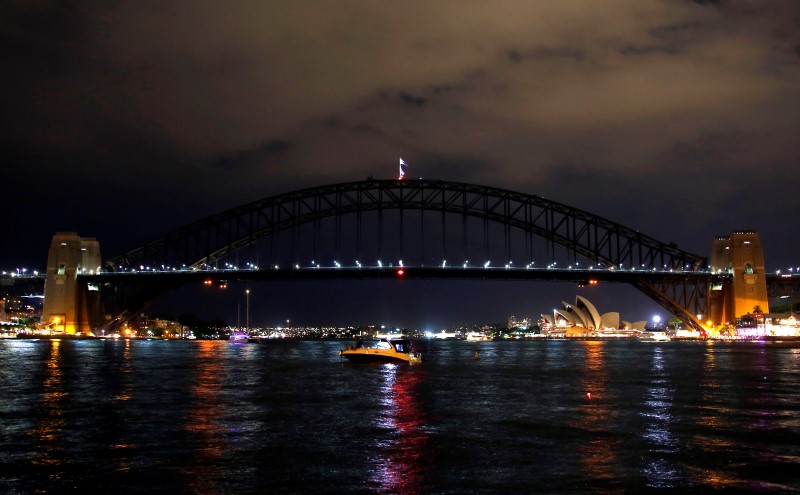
(683, 334)
(239, 336)
(385, 351)
(654, 337)
(478, 337)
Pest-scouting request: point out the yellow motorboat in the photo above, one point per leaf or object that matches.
(384, 351)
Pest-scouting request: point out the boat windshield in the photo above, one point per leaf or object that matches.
(383, 345)
(402, 345)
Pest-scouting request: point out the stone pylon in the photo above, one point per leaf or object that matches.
(741, 256)
(71, 307)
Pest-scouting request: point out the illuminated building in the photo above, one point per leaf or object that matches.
(582, 319)
(513, 322)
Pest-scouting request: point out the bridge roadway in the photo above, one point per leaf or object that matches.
(410, 272)
(777, 285)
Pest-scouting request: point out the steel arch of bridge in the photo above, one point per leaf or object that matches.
(207, 241)
(213, 238)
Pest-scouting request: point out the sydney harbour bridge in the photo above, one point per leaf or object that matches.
(404, 228)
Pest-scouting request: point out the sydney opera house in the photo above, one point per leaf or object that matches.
(582, 319)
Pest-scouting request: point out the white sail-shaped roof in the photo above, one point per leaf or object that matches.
(567, 315)
(610, 320)
(636, 325)
(584, 303)
(580, 316)
(584, 317)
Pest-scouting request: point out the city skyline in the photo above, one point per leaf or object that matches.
(674, 118)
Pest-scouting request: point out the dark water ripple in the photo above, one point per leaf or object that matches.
(214, 417)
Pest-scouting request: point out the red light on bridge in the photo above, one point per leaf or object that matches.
(400, 272)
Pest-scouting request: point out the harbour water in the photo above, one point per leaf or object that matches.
(287, 417)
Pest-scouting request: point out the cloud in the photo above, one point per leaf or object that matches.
(602, 104)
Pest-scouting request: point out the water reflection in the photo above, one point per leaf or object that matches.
(203, 420)
(710, 421)
(126, 371)
(763, 416)
(399, 464)
(598, 453)
(49, 430)
(659, 471)
(762, 399)
(121, 398)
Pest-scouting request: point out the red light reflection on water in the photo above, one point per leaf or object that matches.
(400, 467)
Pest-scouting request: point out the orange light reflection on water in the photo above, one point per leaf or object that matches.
(709, 421)
(399, 468)
(124, 395)
(598, 452)
(203, 419)
(49, 429)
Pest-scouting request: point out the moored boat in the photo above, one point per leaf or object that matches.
(384, 351)
(654, 337)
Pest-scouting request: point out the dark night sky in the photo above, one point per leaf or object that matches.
(125, 120)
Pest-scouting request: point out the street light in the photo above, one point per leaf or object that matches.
(247, 310)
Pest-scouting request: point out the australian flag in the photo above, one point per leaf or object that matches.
(402, 172)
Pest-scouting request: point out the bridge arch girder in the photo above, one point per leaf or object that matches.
(595, 238)
(685, 299)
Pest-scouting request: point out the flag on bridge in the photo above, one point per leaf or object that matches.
(402, 172)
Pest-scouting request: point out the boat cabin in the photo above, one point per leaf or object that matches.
(401, 345)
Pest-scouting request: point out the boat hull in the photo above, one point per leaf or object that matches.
(366, 355)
